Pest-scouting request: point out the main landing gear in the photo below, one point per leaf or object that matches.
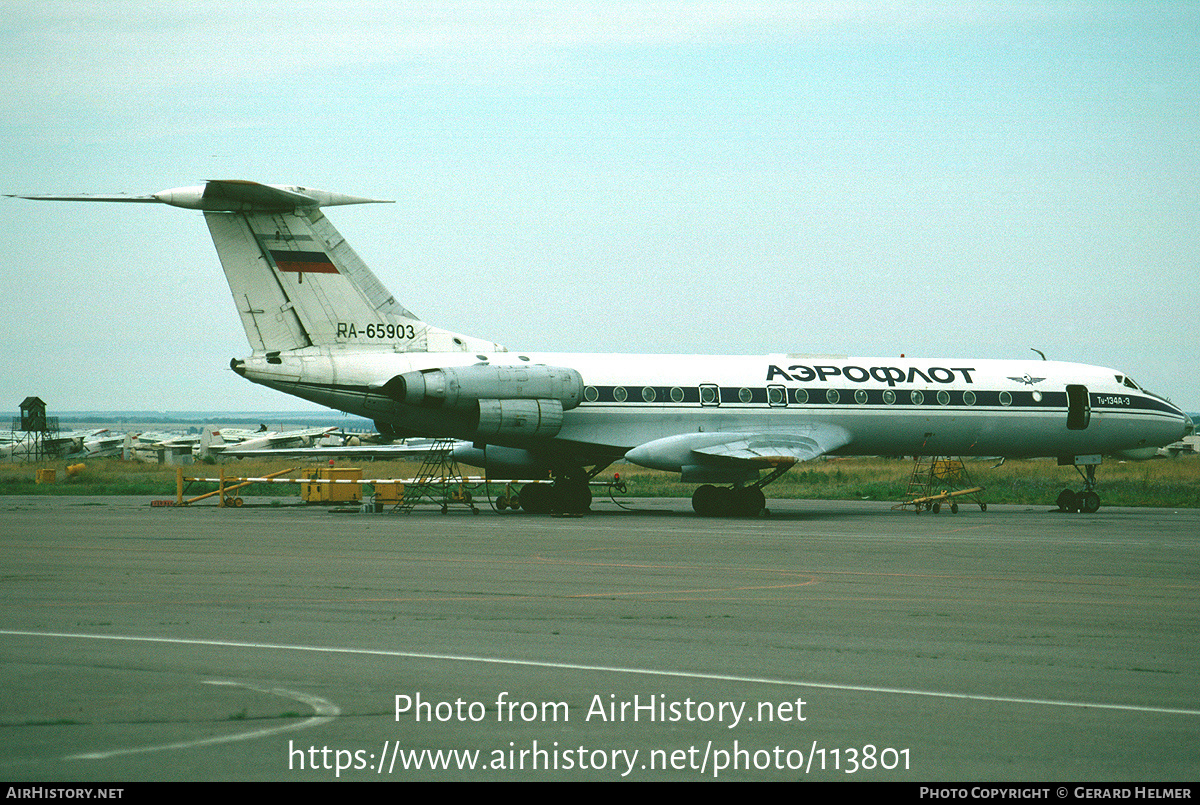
(724, 501)
(739, 500)
(569, 494)
(1086, 500)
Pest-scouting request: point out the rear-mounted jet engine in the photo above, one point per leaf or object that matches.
(505, 400)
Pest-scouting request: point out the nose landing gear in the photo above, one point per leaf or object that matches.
(1086, 500)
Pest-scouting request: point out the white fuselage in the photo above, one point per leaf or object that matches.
(891, 406)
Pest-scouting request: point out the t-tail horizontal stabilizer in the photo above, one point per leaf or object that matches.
(231, 195)
(297, 283)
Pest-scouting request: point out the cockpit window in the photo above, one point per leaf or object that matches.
(1128, 383)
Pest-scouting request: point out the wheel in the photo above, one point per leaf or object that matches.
(954, 508)
(1089, 502)
(572, 496)
(747, 502)
(723, 501)
(536, 498)
(937, 508)
(1068, 501)
(704, 501)
(983, 507)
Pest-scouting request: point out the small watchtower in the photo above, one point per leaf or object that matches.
(33, 432)
(33, 415)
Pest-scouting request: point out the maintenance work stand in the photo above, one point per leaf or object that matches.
(937, 481)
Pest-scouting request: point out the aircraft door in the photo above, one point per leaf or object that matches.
(1079, 409)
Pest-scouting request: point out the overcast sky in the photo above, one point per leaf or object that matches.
(966, 179)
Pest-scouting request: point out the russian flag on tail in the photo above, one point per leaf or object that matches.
(303, 262)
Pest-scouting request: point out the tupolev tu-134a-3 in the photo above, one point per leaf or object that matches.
(323, 327)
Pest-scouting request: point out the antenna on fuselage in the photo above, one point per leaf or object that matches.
(1038, 351)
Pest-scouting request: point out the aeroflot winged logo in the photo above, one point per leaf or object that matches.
(1027, 380)
(303, 262)
(859, 374)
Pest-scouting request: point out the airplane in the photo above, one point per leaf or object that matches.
(213, 441)
(102, 443)
(72, 444)
(403, 449)
(322, 327)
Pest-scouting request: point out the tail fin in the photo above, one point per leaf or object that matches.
(294, 279)
(297, 283)
(210, 437)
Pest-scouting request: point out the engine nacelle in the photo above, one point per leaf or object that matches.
(463, 387)
(520, 418)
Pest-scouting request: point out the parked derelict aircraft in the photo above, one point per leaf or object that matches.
(212, 441)
(322, 327)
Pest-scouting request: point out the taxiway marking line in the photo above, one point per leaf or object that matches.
(794, 683)
(325, 711)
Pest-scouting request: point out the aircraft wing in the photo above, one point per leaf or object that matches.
(770, 448)
(377, 451)
(748, 449)
(285, 436)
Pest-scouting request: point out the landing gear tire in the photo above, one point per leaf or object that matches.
(704, 501)
(537, 498)
(1068, 501)
(722, 501)
(747, 502)
(1089, 502)
(572, 496)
